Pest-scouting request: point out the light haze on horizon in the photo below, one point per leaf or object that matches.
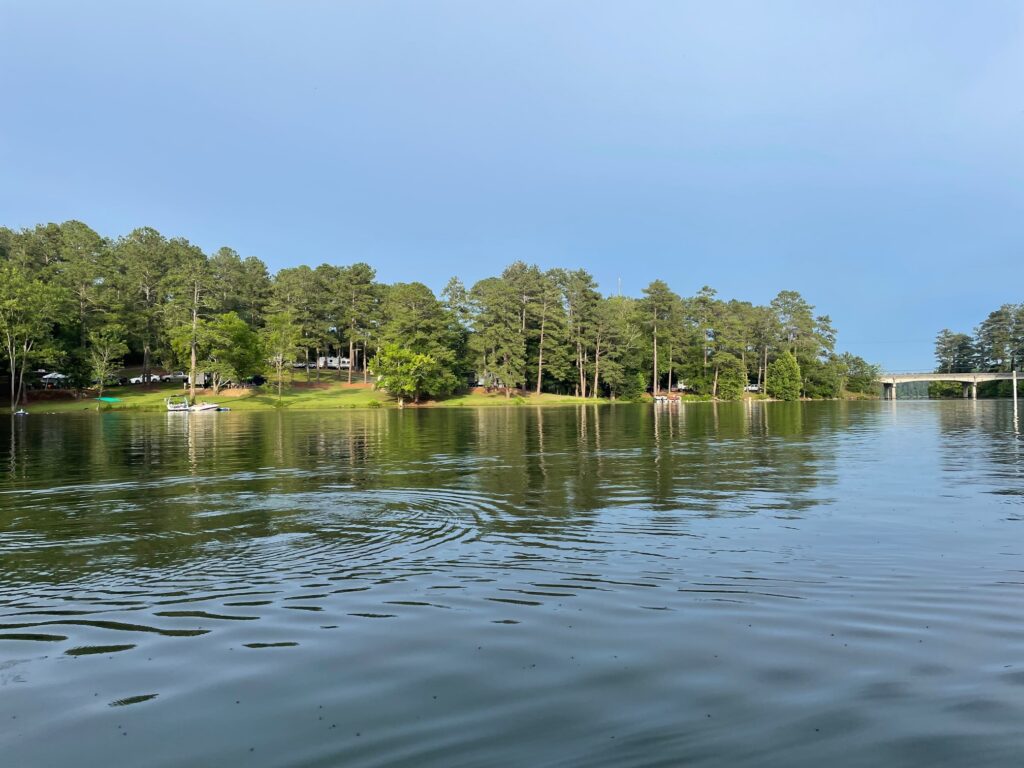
(867, 154)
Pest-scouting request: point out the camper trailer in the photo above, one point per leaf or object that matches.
(333, 363)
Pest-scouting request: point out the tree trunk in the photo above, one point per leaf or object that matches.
(583, 371)
(193, 362)
(20, 393)
(351, 359)
(21, 376)
(654, 374)
(597, 366)
(670, 350)
(714, 386)
(81, 319)
(540, 352)
(11, 357)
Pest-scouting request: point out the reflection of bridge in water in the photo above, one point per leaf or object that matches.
(970, 381)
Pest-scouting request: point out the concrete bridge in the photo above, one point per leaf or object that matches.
(970, 381)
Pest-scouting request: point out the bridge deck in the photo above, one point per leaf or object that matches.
(965, 378)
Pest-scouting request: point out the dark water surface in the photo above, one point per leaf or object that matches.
(834, 584)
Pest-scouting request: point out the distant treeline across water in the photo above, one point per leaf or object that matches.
(997, 344)
(75, 301)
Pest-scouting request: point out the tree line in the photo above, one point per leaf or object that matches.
(996, 345)
(86, 304)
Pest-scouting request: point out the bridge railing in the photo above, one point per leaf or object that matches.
(1020, 374)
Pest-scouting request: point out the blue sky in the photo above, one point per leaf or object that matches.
(867, 154)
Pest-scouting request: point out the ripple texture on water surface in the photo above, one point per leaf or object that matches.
(740, 585)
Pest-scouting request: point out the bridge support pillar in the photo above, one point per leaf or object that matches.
(974, 390)
(967, 390)
(888, 391)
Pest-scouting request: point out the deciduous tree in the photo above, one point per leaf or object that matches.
(27, 309)
(409, 375)
(107, 347)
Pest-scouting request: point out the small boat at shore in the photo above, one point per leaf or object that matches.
(180, 404)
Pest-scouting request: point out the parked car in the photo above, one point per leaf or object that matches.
(152, 378)
(176, 376)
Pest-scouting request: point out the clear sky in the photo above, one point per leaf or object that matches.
(868, 154)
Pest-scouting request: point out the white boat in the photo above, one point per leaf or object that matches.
(179, 404)
(204, 407)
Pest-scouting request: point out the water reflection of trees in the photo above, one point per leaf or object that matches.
(982, 439)
(114, 492)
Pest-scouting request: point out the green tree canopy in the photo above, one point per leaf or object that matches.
(410, 375)
(784, 380)
(106, 349)
(281, 338)
(27, 311)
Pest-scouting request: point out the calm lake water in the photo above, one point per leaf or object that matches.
(736, 585)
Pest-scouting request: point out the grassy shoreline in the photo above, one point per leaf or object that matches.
(324, 396)
(306, 397)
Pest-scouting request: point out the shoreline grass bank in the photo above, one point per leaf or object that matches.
(308, 396)
(301, 396)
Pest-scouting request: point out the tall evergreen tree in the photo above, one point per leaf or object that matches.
(359, 299)
(657, 305)
(499, 340)
(189, 287)
(144, 259)
(784, 378)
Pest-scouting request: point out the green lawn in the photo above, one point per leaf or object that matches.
(498, 399)
(328, 396)
(138, 398)
(324, 397)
